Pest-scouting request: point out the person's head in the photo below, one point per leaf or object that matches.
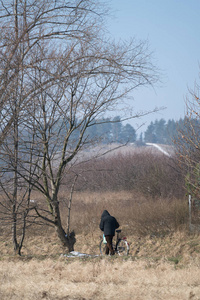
(105, 213)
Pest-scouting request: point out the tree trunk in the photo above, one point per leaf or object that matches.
(67, 241)
(14, 232)
(17, 250)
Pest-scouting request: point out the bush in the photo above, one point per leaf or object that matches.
(145, 172)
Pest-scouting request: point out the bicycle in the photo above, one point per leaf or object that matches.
(121, 246)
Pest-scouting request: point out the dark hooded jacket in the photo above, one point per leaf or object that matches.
(108, 223)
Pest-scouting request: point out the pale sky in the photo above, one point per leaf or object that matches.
(172, 28)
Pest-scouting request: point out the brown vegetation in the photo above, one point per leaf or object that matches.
(140, 170)
(141, 189)
(140, 219)
(97, 279)
(163, 262)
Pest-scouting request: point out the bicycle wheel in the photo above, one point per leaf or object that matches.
(122, 247)
(102, 247)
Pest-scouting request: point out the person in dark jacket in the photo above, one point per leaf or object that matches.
(108, 225)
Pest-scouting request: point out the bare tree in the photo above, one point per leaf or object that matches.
(25, 26)
(28, 30)
(90, 82)
(70, 75)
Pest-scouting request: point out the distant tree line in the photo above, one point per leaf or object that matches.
(162, 132)
(113, 130)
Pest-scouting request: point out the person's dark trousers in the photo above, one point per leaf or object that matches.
(109, 247)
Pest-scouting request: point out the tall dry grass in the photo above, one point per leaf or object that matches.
(140, 218)
(98, 279)
(163, 262)
(136, 213)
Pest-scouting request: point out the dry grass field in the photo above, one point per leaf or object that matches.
(97, 278)
(164, 260)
